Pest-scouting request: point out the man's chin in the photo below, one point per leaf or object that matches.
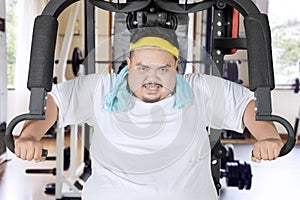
(150, 100)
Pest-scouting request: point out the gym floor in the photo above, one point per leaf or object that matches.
(274, 180)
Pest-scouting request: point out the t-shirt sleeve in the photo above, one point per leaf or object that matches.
(227, 103)
(224, 101)
(75, 99)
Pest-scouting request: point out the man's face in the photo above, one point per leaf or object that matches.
(151, 74)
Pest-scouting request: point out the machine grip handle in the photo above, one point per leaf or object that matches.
(9, 139)
(260, 63)
(291, 140)
(42, 53)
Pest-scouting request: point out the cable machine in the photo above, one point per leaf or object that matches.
(257, 43)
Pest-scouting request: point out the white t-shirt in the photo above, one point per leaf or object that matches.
(153, 151)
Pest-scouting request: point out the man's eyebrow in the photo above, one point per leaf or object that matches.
(144, 65)
(165, 66)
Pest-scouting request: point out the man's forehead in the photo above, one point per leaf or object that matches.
(150, 48)
(152, 53)
(152, 65)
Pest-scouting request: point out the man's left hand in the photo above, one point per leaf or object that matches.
(267, 149)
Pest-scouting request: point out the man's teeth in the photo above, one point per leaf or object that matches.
(152, 87)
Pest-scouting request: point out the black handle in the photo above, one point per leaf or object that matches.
(291, 140)
(41, 171)
(9, 139)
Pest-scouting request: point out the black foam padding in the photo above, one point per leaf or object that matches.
(260, 63)
(42, 53)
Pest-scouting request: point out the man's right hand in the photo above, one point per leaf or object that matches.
(28, 148)
(28, 145)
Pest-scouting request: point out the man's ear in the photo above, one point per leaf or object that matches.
(176, 64)
(128, 62)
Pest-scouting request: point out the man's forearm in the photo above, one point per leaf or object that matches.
(269, 143)
(260, 130)
(37, 128)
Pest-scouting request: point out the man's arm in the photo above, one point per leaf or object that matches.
(268, 143)
(27, 145)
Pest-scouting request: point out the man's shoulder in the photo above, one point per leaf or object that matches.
(205, 78)
(98, 77)
(193, 77)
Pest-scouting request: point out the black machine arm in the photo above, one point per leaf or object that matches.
(184, 8)
(129, 6)
(244, 7)
(263, 113)
(260, 65)
(40, 66)
(40, 72)
(55, 7)
(9, 139)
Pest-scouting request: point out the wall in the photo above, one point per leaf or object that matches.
(286, 104)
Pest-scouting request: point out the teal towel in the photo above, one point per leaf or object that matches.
(183, 91)
(117, 99)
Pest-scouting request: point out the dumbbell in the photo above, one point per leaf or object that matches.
(77, 60)
(237, 173)
(294, 86)
(67, 155)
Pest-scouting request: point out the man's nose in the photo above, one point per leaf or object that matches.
(152, 75)
(154, 72)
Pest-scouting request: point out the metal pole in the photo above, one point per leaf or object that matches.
(66, 45)
(89, 37)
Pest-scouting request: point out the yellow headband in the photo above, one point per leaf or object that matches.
(155, 42)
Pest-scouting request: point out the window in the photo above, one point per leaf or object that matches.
(284, 20)
(11, 23)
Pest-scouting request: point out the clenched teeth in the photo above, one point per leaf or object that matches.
(152, 86)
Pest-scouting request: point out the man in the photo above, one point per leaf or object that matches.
(150, 138)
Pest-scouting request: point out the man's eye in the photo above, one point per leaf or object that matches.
(141, 68)
(164, 69)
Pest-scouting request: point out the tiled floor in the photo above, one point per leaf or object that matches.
(274, 180)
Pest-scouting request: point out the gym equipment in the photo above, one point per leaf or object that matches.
(50, 188)
(66, 164)
(237, 173)
(231, 71)
(294, 86)
(78, 59)
(3, 157)
(257, 43)
(66, 42)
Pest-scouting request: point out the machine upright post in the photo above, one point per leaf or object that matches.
(89, 37)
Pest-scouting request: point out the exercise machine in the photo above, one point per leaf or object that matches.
(257, 43)
(236, 173)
